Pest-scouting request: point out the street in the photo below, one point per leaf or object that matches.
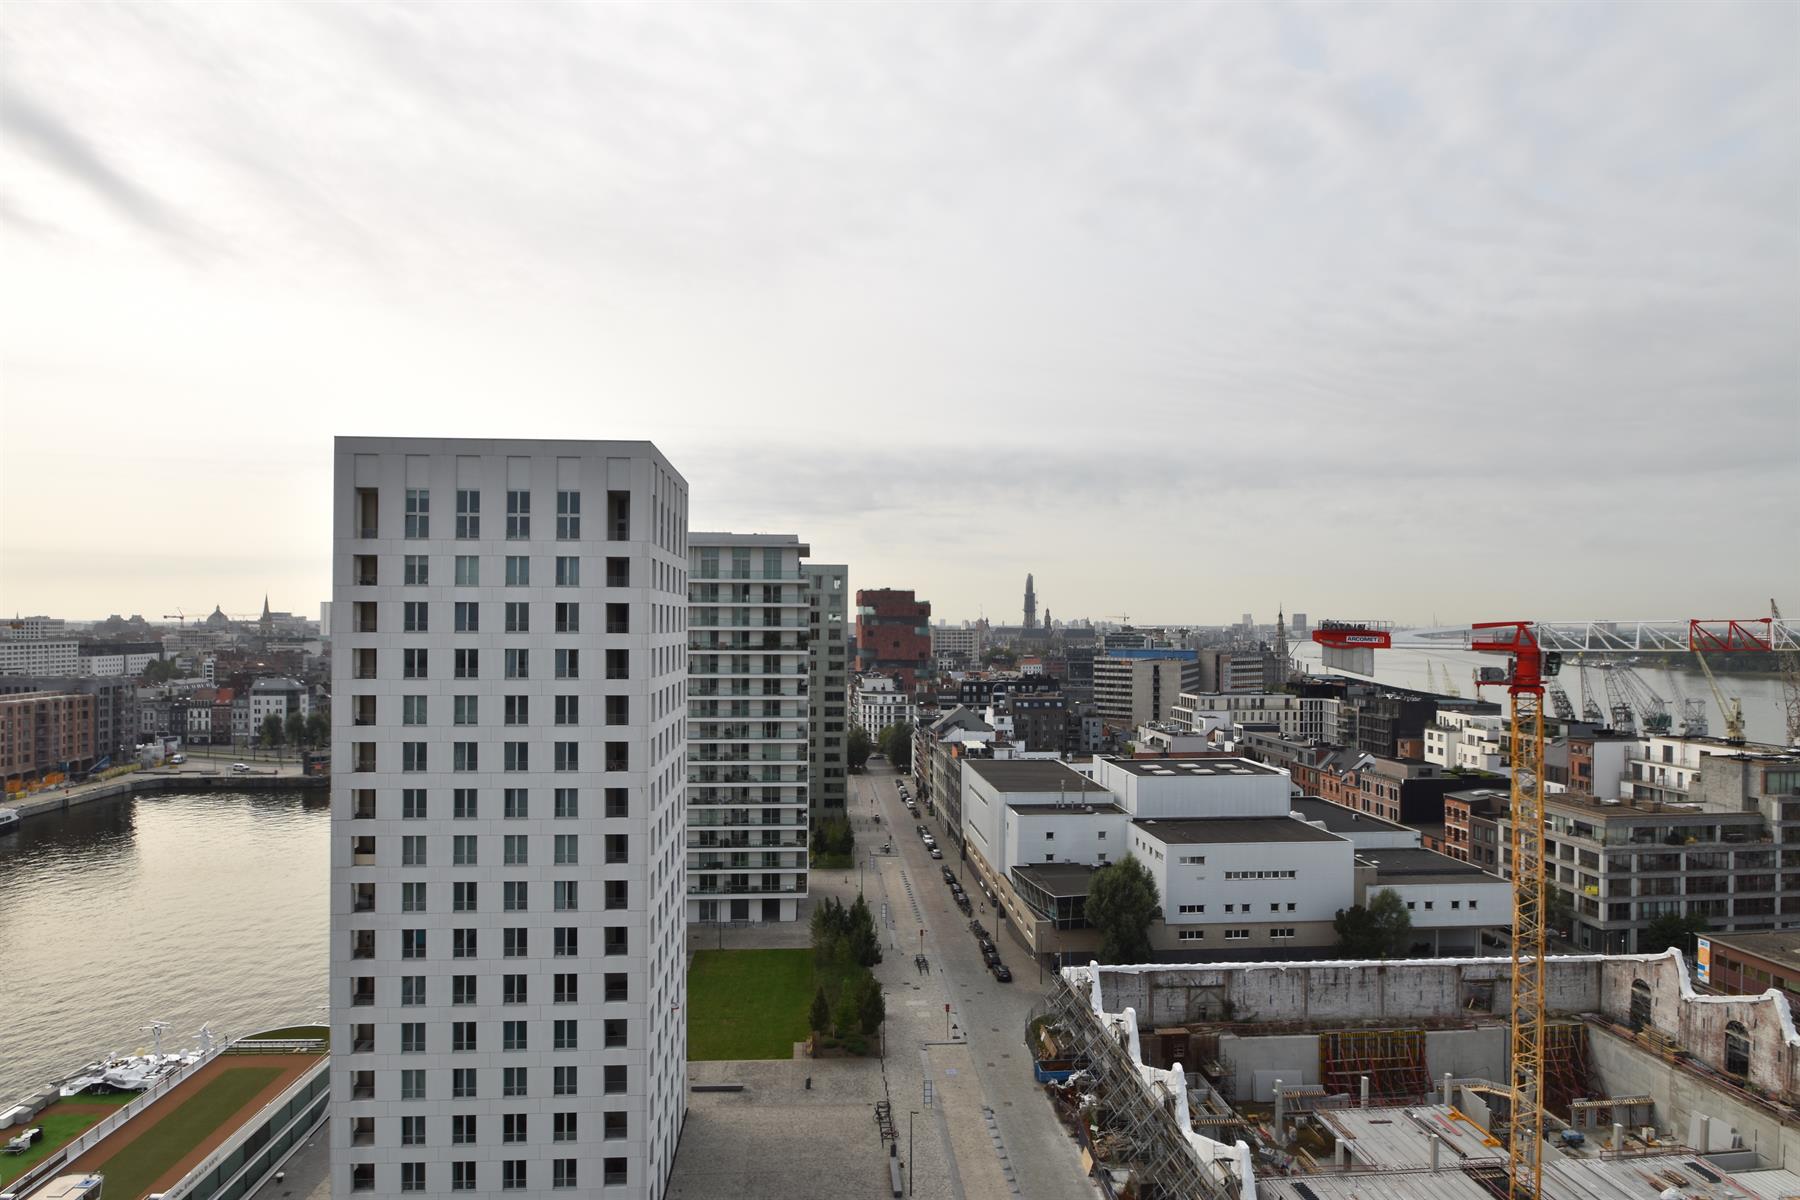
(1003, 1136)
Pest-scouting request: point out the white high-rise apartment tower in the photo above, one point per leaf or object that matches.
(507, 817)
(749, 746)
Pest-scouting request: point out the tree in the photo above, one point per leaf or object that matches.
(1122, 901)
(1381, 930)
(318, 728)
(271, 732)
(871, 1008)
(161, 670)
(865, 946)
(1672, 929)
(296, 728)
(859, 747)
(820, 1020)
(896, 744)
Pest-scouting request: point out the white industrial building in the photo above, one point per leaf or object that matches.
(1241, 865)
(508, 817)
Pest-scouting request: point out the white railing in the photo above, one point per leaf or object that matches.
(94, 1136)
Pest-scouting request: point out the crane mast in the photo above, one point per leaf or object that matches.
(1523, 679)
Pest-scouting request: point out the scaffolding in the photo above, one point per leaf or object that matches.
(1392, 1059)
(1138, 1113)
(1568, 1077)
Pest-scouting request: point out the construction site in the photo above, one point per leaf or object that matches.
(1379, 1080)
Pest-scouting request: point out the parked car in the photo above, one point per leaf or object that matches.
(1001, 972)
(986, 947)
(920, 830)
(950, 878)
(976, 928)
(936, 853)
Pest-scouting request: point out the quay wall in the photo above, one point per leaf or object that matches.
(140, 783)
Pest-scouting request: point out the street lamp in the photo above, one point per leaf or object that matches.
(911, 1167)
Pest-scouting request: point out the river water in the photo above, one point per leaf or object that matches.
(191, 909)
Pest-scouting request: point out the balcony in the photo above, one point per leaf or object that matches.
(362, 570)
(362, 1087)
(784, 889)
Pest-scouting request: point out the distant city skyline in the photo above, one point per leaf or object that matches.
(1378, 310)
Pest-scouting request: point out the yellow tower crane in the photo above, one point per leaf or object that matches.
(1523, 677)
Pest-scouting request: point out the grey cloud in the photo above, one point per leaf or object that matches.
(62, 147)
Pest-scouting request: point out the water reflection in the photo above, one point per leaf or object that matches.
(185, 908)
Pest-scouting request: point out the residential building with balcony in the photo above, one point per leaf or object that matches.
(749, 721)
(508, 817)
(828, 687)
(880, 702)
(1466, 741)
(1730, 856)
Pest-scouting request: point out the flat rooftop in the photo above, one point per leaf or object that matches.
(1162, 768)
(1637, 810)
(1414, 864)
(1074, 806)
(1204, 830)
(1779, 946)
(1032, 775)
(1339, 819)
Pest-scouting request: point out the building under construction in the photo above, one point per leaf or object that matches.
(1377, 1080)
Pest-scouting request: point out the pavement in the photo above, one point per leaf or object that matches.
(306, 1175)
(954, 1062)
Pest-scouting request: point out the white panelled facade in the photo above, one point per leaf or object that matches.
(508, 817)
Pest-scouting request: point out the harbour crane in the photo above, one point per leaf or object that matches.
(1790, 679)
(1629, 698)
(1724, 637)
(1590, 707)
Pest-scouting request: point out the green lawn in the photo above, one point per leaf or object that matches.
(131, 1171)
(60, 1129)
(748, 1003)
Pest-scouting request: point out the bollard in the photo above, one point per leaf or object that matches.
(1436, 1142)
(1365, 1091)
(809, 1083)
(1278, 1107)
(1618, 1136)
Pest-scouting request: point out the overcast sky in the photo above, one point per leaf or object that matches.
(1444, 310)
